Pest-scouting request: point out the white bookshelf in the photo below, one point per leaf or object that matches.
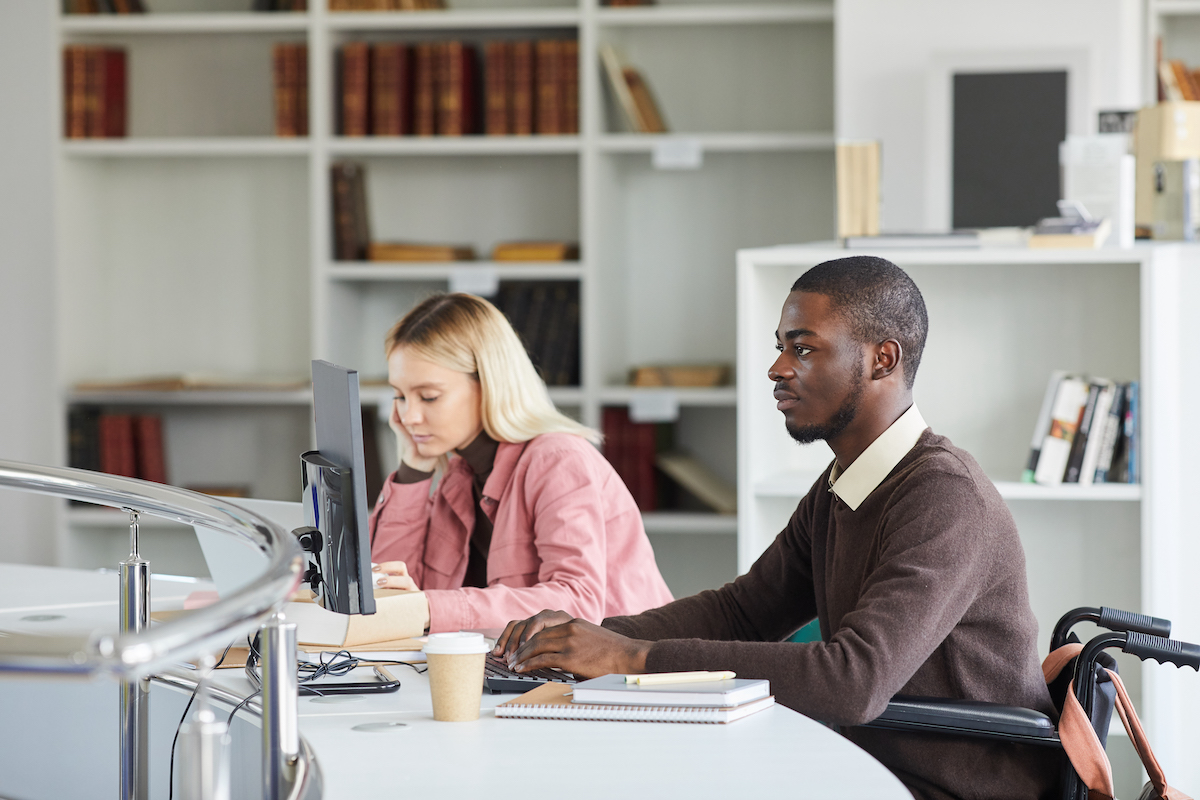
(1000, 322)
(201, 243)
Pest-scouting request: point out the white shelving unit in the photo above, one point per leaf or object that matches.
(202, 243)
(1000, 322)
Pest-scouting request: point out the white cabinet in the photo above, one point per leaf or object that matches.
(999, 322)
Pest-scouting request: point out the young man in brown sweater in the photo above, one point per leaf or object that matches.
(902, 549)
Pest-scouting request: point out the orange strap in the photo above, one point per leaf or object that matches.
(1055, 662)
(1133, 726)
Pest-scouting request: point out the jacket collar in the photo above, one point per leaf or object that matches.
(854, 484)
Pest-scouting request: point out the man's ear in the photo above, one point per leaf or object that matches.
(889, 355)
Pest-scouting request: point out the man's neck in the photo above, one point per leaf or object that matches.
(867, 426)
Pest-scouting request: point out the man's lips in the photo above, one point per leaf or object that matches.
(784, 399)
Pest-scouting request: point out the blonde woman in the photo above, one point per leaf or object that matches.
(525, 513)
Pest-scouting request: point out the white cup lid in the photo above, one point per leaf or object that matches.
(459, 643)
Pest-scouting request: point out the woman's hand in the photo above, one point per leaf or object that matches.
(406, 448)
(393, 575)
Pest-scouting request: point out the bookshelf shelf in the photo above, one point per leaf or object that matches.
(194, 397)
(679, 522)
(454, 145)
(202, 147)
(190, 23)
(455, 19)
(349, 271)
(722, 142)
(741, 14)
(719, 396)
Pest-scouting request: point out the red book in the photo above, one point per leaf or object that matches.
(521, 89)
(104, 92)
(356, 89)
(148, 447)
(391, 107)
(456, 89)
(549, 87)
(116, 445)
(424, 90)
(496, 88)
(301, 123)
(630, 448)
(569, 76)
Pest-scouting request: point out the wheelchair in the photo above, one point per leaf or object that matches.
(1082, 669)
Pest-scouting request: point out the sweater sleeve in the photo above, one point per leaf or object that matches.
(563, 497)
(399, 524)
(933, 562)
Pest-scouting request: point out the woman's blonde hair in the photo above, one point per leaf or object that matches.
(468, 334)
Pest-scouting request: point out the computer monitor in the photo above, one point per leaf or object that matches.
(335, 493)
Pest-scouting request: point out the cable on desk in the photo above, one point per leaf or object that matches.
(186, 709)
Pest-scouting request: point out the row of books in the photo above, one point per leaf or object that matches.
(657, 475)
(1176, 81)
(289, 68)
(352, 232)
(545, 314)
(105, 7)
(1087, 432)
(118, 444)
(433, 88)
(386, 5)
(94, 92)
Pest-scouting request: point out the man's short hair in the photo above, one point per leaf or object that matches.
(879, 301)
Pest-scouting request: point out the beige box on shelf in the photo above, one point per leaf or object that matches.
(1169, 131)
(682, 375)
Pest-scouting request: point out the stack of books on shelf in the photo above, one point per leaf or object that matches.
(632, 94)
(436, 88)
(545, 314)
(386, 5)
(1087, 432)
(289, 65)
(716, 697)
(535, 251)
(683, 375)
(118, 444)
(105, 7)
(94, 92)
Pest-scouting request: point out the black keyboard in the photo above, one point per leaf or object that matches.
(497, 677)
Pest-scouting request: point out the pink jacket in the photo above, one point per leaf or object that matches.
(566, 535)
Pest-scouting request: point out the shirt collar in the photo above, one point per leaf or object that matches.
(854, 484)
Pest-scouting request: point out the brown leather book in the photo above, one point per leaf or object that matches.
(407, 251)
(521, 89)
(651, 120)
(283, 63)
(496, 88)
(75, 60)
(549, 87)
(456, 89)
(301, 55)
(424, 90)
(148, 448)
(104, 92)
(356, 89)
(569, 76)
(351, 231)
(391, 111)
(535, 251)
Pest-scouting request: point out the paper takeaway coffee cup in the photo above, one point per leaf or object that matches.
(456, 674)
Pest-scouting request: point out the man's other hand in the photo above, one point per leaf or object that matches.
(554, 639)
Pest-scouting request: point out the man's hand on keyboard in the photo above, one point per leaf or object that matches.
(553, 639)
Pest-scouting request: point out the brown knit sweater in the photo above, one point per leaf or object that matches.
(921, 591)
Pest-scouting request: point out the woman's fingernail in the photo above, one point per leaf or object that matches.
(374, 567)
(381, 580)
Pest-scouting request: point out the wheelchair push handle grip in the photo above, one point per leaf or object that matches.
(1164, 651)
(1117, 620)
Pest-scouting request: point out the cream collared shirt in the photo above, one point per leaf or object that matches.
(853, 485)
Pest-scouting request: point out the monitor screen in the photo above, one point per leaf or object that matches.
(335, 492)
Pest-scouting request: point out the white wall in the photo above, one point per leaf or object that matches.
(885, 51)
(27, 398)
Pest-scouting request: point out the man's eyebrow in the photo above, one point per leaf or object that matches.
(796, 334)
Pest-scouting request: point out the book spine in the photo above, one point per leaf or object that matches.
(1112, 431)
(301, 117)
(547, 68)
(116, 445)
(343, 215)
(282, 65)
(496, 91)
(424, 92)
(355, 89)
(360, 214)
(115, 109)
(384, 90)
(521, 89)
(94, 92)
(1079, 443)
(1133, 434)
(569, 75)
(1097, 432)
(75, 91)
(83, 438)
(148, 447)
(1042, 427)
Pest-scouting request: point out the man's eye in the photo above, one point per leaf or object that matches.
(803, 351)
(779, 347)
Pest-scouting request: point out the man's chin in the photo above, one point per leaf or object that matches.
(806, 434)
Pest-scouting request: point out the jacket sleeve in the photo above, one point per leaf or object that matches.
(399, 525)
(932, 568)
(562, 494)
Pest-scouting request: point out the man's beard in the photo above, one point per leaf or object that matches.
(841, 419)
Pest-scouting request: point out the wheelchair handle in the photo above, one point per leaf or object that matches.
(1117, 620)
(1164, 651)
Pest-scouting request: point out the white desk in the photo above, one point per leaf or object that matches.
(773, 754)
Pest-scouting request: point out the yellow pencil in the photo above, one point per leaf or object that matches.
(679, 677)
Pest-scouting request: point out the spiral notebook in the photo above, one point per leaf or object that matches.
(553, 701)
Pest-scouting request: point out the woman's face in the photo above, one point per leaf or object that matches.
(440, 408)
